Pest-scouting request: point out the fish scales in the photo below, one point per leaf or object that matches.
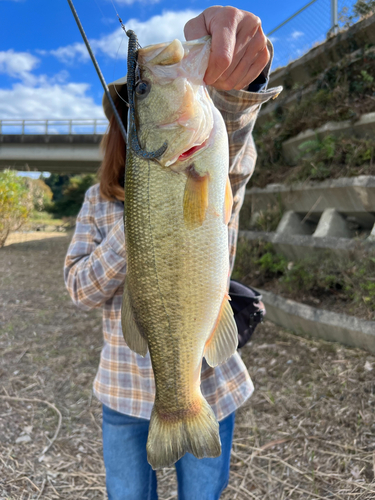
(177, 270)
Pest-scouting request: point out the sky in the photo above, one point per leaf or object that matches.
(45, 70)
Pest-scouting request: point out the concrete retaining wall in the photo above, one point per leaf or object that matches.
(348, 195)
(319, 323)
(362, 128)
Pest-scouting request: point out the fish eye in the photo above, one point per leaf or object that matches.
(142, 89)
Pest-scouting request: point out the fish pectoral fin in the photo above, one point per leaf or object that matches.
(133, 336)
(228, 202)
(195, 198)
(224, 338)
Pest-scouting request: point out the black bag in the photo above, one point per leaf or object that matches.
(248, 310)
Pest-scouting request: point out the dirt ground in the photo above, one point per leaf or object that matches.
(308, 432)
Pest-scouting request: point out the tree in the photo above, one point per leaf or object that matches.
(15, 203)
(41, 193)
(73, 195)
(57, 183)
(363, 8)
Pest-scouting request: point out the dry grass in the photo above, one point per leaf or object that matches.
(307, 432)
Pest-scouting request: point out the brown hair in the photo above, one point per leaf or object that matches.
(112, 170)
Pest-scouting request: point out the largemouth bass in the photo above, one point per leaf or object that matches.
(177, 208)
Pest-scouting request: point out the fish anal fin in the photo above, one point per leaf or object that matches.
(228, 202)
(223, 341)
(195, 198)
(133, 336)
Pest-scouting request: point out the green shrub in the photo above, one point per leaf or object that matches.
(349, 278)
(258, 258)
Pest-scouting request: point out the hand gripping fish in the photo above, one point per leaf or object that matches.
(177, 206)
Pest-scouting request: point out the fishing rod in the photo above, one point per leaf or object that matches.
(100, 74)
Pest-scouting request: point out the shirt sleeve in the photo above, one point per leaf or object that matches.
(240, 109)
(94, 267)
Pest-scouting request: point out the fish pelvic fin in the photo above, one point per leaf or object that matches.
(228, 203)
(194, 431)
(133, 336)
(195, 198)
(223, 341)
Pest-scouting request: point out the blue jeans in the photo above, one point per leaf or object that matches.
(130, 477)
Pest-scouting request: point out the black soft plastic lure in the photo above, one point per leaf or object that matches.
(132, 129)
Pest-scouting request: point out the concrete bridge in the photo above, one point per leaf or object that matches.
(60, 146)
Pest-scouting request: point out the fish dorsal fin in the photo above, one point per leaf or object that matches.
(224, 338)
(228, 202)
(195, 198)
(133, 336)
(172, 54)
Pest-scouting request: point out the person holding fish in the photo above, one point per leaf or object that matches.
(170, 379)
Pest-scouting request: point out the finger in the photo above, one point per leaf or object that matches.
(245, 53)
(195, 28)
(223, 30)
(241, 80)
(255, 70)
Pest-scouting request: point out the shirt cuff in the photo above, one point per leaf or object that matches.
(260, 83)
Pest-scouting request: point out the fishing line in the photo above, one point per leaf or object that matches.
(114, 67)
(100, 9)
(116, 58)
(98, 71)
(133, 47)
(139, 46)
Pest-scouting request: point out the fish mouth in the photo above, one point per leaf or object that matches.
(190, 152)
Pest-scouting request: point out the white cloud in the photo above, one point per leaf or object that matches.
(296, 34)
(48, 100)
(42, 96)
(69, 53)
(17, 64)
(161, 28)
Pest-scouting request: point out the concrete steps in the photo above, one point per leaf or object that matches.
(352, 196)
(336, 215)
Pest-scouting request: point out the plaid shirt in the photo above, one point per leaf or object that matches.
(95, 269)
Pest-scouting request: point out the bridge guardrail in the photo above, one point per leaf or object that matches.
(53, 127)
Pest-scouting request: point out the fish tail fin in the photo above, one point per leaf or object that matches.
(170, 437)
